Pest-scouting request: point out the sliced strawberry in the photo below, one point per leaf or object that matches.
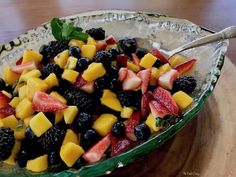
(4, 100)
(164, 97)
(131, 81)
(7, 111)
(18, 62)
(119, 145)
(43, 102)
(158, 54)
(145, 110)
(122, 74)
(96, 152)
(80, 81)
(133, 121)
(88, 87)
(145, 76)
(135, 59)
(122, 60)
(186, 66)
(20, 68)
(158, 110)
(101, 45)
(167, 79)
(110, 40)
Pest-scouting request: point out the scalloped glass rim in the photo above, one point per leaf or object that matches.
(108, 165)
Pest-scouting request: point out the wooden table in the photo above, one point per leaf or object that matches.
(206, 146)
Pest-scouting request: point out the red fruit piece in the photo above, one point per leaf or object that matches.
(43, 102)
(145, 76)
(158, 110)
(122, 74)
(122, 60)
(80, 81)
(186, 66)
(132, 123)
(96, 152)
(145, 110)
(158, 54)
(135, 59)
(7, 111)
(20, 68)
(164, 97)
(18, 62)
(101, 45)
(4, 100)
(131, 81)
(119, 145)
(88, 87)
(110, 40)
(167, 79)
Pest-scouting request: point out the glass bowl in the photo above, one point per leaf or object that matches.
(169, 33)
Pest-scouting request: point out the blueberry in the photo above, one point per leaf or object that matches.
(118, 128)
(157, 64)
(82, 64)
(43, 50)
(140, 53)
(29, 134)
(83, 122)
(142, 132)
(89, 138)
(74, 51)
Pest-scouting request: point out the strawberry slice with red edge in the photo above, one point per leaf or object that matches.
(186, 66)
(4, 100)
(158, 110)
(20, 68)
(167, 79)
(43, 102)
(96, 152)
(111, 40)
(161, 57)
(135, 59)
(122, 60)
(145, 76)
(80, 81)
(101, 45)
(19, 61)
(7, 111)
(145, 110)
(119, 145)
(122, 74)
(132, 123)
(164, 97)
(131, 82)
(88, 87)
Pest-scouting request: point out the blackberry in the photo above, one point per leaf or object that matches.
(103, 57)
(21, 159)
(89, 138)
(136, 97)
(79, 163)
(112, 72)
(114, 52)
(74, 51)
(102, 83)
(83, 122)
(157, 64)
(96, 33)
(50, 116)
(142, 132)
(7, 142)
(50, 68)
(64, 85)
(52, 139)
(140, 53)
(2, 84)
(54, 160)
(114, 85)
(128, 45)
(186, 83)
(118, 128)
(125, 98)
(82, 64)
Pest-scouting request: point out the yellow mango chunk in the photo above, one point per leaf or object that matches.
(154, 76)
(176, 60)
(133, 67)
(51, 80)
(27, 120)
(94, 71)
(24, 109)
(59, 115)
(22, 92)
(70, 137)
(8, 76)
(58, 97)
(31, 55)
(19, 132)
(103, 124)
(164, 68)
(151, 123)
(11, 159)
(70, 153)
(61, 58)
(108, 94)
(32, 73)
(112, 103)
(39, 124)
(148, 61)
(1, 124)
(111, 46)
(183, 100)
(10, 122)
(88, 51)
(35, 84)
(126, 112)
(71, 63)
(14, 102)
(9, 95)
(91, 41)
(75, 42)
(38, 164)
(70, 75)
(70, 114)
(114, 63)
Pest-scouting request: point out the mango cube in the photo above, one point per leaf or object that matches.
(38, 164)
(14, 102)
(59, 116)
(94, 71)
(71, 63)
(126, 112)
(70, 136)
(183, 100)
(154, 76)
(32, 73)
(61, 58)
(24, 109)
(133, 67)
(27, 120)
(91, 41)
(70, 75)
(148, 61)
(176, 60)
(103, 124)
(70, 153)
(70, 114)
(19, 132)
(9, 76)
(112, 103)
(58, 97)
(10, 122)
(151, 123)
(88, 51)
(108, 94)
(1, 123)
(75, 42)
(39, 124)
(22, 92)
(11, 159)
(32, 56)
(35, 84)
(164, 68)
(51, 80)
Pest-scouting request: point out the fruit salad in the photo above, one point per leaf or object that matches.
(87, 96)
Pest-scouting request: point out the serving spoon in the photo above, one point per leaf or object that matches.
(227, 33)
